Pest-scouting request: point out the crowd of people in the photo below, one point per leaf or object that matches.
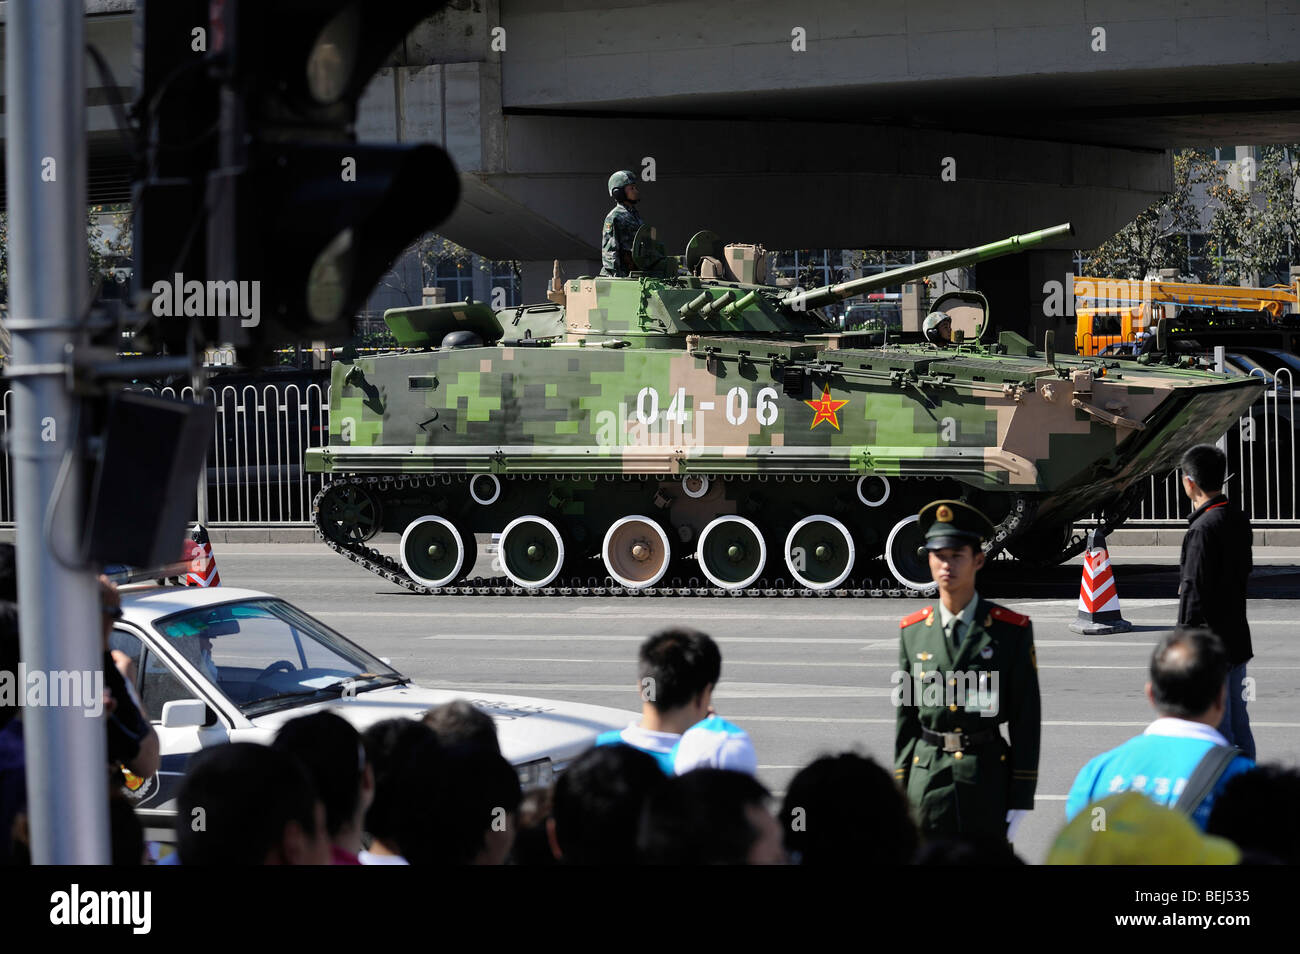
(680, 785)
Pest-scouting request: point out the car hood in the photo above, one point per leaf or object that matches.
(527, 728)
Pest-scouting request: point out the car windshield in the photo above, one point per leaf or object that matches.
(265, 654)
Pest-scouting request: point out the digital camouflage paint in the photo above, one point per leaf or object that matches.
(693, 421)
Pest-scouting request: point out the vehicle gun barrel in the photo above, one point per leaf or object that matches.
(826, 294)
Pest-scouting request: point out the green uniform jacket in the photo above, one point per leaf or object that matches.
(997, 673)
(616, 239)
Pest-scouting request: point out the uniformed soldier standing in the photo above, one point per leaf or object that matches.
(620, 225)
(972, 666)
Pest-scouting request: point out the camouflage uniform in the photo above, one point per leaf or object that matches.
(616, 238)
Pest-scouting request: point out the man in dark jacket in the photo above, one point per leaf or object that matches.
(1215, 564)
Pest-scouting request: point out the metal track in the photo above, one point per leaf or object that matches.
(392, 570)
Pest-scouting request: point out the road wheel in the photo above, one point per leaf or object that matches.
(434, 552)
(731, 552)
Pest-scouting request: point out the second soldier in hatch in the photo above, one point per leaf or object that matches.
(620, 225)
(966, 666)
(938, 328)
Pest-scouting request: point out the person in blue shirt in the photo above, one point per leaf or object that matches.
(1187, 688)
(678, 669)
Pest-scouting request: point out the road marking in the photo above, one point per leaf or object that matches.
(741, 719)
(606, 615)
(602, 638)
(732, 690)
(706, 405)
(621, 661)
(774, 640)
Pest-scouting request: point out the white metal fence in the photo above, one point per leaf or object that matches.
(255, 474)
(1261, 464)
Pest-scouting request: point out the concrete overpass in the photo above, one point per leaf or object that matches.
(823, 123)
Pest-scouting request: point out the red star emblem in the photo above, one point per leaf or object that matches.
(826, 409)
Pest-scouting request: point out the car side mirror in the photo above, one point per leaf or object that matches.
(184, 714)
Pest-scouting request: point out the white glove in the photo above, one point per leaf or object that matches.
(1014, 818)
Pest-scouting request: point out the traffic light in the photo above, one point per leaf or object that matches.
(255, 207)
(176, 106)
(303, 218)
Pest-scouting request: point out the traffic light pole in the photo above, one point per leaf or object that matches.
(49, 288)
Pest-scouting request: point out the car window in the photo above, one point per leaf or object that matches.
(261, 652)
(159, 685)
(128, 644)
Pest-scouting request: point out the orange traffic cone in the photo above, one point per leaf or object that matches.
(1099, 612)
(203, 564)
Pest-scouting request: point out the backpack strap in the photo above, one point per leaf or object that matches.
(1207, 774)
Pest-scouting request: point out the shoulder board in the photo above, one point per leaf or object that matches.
(1004, 615)
(915, 617)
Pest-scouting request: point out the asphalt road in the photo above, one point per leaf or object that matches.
(804, 676)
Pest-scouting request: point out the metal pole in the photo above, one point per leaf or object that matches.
(199, 381)
(1220, 365)
(49, 288)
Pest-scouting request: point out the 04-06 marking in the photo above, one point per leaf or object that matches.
(737, 406)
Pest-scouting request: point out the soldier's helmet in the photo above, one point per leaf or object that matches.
(933, 334)
(620, 179)
(951, 523)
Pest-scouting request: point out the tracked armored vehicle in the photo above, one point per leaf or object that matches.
(694, 429)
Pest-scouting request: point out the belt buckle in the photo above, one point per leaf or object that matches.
(952, 742)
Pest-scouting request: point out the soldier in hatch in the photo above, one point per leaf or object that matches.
(620, 225)
(938, 328)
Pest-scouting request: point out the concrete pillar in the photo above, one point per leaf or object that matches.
(1014, 288)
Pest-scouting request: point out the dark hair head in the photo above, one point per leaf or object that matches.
(243, 794)
(598, 803)
(476, 790)
(680, 664)
(532, 847)
(463, 725)
(818, 828)
(330, 749)
(8, 573)
(699, 819)
(1206, 465)
(1188, 671)
(405, 756)
(1256, 811)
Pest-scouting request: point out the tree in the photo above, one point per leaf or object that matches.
(433, 250)
(1254, 225)
(1158, 237)
(109, 246)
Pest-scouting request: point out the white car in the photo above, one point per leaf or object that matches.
(232, 665)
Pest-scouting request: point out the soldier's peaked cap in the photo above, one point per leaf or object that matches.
(951, 523)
